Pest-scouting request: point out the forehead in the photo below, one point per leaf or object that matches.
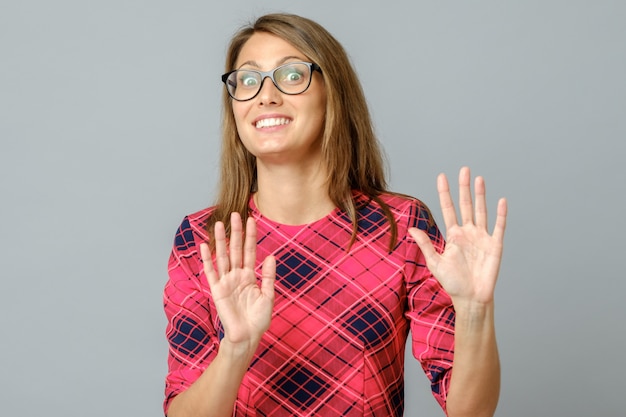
(266, 51)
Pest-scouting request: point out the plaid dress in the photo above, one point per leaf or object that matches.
(341, 317)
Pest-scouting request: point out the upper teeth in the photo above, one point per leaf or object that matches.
(272, 122)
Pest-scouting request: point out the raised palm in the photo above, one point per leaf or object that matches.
(244, 307)
(468, 268)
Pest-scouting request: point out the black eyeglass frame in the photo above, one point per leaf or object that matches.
(270, 74)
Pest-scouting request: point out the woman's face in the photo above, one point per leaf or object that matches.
(273, 126)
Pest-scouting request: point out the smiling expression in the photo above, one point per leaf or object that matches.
(273, 125)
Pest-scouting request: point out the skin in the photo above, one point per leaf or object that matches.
(289, 165)
(290, 143)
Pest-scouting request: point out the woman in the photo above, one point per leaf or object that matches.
(307, 311)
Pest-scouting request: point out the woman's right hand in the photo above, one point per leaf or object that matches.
(244, 307)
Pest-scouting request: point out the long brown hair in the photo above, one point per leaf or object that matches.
(351, 151)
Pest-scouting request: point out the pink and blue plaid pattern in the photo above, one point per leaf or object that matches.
(341, 317)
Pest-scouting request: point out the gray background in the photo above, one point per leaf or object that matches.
(109, 135)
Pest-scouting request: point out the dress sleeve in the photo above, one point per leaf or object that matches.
(429, 310)
(190, 330)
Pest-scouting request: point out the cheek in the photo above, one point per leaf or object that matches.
(319, 110)
(239, 113)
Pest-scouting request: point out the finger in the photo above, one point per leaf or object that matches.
(207, 264)
(426, 246)
(481, 203)
(249, 249)
(221, 254)
(268, 277)
(498, 231)
(445, 201)
(465, 197)
(236, 240)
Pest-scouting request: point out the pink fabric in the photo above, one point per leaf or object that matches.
(341, 318)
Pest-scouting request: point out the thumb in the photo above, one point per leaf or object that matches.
(425, 245)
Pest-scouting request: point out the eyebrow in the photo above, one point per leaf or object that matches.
(278, 63)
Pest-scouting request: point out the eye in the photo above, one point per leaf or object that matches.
(291, 74)
(247, 80)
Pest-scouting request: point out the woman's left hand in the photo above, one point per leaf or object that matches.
(468, 267)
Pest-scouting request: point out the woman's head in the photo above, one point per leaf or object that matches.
(312, 40)
(348, 135)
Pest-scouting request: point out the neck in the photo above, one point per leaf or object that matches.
(293, 195)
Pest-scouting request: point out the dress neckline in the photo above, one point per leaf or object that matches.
(257, 215)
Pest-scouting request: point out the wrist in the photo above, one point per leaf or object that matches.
(237, 351)
(472, 314)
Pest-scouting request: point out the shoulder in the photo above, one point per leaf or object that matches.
(192, 228)
(405, 209)
(400, 202)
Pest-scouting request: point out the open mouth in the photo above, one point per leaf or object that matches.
(271, 122)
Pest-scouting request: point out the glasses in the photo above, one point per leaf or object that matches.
(293, 78)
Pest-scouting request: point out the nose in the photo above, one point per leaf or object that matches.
(269, 93)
